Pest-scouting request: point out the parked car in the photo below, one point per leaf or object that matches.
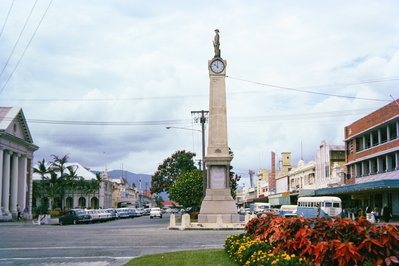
(140, 211)
(75, 216)
(5, 216)
(174, 210)
(155, 212)
(122, 213)
(147, 211)
(132, 212)
(114, 213)
(104, 215)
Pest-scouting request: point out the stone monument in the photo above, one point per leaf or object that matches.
(218, 204)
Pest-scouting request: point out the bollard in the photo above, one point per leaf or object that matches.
(172, 221)
(185, 220)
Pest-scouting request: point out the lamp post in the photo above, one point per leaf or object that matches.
(203, 141)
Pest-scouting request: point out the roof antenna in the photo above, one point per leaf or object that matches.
(394, 100)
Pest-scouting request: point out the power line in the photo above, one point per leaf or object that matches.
(205, 95)
(19, 37)
(107, 99)
(314, 92)
(6, 19)
(284, 117)
(101, 123)
(26, 47)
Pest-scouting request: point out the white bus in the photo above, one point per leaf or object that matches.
(289, 210)
(312, 207)
(261, 207)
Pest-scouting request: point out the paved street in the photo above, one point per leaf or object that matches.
(110, 243)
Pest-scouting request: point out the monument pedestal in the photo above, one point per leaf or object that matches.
(218, 203)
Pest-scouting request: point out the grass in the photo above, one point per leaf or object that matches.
(216, 257)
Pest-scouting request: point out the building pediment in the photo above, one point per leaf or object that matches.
(13, 124)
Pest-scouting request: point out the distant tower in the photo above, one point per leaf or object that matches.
(251, 175)
(272, 179)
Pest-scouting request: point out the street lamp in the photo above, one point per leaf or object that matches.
(203, 141)
(185, 128)
(204, 179)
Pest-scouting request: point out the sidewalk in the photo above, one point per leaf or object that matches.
(52, 221)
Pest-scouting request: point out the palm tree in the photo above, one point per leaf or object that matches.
(44, 173)
(71, 180)
(59, 164)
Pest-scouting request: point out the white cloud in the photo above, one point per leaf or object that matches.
(156, 55)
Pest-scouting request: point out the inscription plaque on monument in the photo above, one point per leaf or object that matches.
(218, 180)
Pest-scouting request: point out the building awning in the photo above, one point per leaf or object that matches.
(363, 187)
(306, 192)
(279, 199)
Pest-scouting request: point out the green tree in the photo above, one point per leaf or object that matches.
(234, 178)
(187, 189)
(158, 201)
(56, 179)
(170, 169)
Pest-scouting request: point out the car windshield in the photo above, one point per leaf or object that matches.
(79, 212)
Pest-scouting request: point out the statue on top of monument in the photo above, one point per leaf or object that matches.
(216, 43)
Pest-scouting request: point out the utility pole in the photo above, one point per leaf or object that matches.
(201, 117)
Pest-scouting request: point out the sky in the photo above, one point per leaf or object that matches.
(100, 80)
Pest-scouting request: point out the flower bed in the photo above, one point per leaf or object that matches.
(245, 250)
(274, 240)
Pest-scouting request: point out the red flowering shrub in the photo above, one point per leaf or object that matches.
(329, 242)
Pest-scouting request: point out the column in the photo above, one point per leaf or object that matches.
(364, 142)
(22, 182)
(1, 177)
(6, 181)
(30, 184)
(14, 183)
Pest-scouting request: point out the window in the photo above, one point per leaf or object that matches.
(382, 164)
(391, 162)
(367, 141)
(336, 204)
(373, 166)
(328, 204)
(374, 137)
(359, 144)
(393, 134)
(384, 134)
(366, 168)
(327, 170)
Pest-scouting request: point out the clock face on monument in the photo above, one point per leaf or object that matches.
(217, 66)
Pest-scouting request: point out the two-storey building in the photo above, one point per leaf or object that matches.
(372, 161)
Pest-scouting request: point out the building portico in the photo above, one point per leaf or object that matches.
(16, 154)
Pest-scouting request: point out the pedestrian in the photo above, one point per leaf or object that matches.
(377, 214)
(386, 214)
(26, 213)
(18, 213)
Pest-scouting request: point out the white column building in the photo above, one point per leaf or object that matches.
(16, 154)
